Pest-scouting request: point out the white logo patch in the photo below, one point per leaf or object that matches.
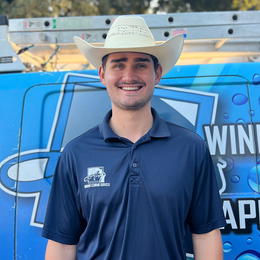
(95, 178)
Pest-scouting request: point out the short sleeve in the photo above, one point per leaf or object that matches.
(63, 221)
(206, 213)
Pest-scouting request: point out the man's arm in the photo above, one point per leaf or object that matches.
(208, 246)
(57, 251)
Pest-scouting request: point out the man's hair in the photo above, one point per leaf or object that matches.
(155, 61)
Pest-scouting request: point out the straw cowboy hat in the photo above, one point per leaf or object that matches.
(131, 34)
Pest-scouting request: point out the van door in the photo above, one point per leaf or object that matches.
(218, 102)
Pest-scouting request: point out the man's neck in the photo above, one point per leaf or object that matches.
(131, 124)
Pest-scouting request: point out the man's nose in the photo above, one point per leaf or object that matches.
(129, 75)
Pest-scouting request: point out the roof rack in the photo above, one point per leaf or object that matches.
(9, 61)
(210, 37)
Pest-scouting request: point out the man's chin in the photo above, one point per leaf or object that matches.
(134, 107)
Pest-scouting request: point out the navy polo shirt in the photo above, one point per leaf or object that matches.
(120, 200)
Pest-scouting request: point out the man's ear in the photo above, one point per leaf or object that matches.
(101, 73)
(158, 74)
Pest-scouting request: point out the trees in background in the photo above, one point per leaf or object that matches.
(54, 8)
(246, 4)
(172, 6)
(47, 8)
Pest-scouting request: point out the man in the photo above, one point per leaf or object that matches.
(157, 177)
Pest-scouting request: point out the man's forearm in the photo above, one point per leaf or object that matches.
(57, 251)
(208, 246)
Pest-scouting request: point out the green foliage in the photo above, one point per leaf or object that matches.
(173, 6)
(246, 4)
(47, 8)
(59, 8)
(119, 7)
(55, 8)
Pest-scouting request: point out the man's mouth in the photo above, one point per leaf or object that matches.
(133, 88)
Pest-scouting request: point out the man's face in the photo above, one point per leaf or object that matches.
(130, 79)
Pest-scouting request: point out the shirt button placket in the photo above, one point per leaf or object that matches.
(135, 170)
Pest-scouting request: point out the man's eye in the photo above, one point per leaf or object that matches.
(140, 66)
(119, 66)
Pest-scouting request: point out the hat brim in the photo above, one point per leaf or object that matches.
(167, 53)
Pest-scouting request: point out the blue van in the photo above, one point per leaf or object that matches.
(41, 112)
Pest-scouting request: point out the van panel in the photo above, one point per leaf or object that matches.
(42, 112)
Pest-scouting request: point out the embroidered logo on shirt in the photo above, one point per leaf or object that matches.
(95, 178)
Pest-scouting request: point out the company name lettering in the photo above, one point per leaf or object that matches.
(234, 139)
(241, 215)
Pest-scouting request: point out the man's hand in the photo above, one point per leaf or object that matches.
(208, 246)
(57, 251)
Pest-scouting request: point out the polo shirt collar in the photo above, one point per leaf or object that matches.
(159, 129)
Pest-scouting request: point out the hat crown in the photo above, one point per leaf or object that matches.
(129, 31)
(131, 34)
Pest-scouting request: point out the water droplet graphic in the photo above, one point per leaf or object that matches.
(226, 115)
(241, 121)
(230, 163)
(256, 79)
(249, 255)
(239, 99)
(235, 179)
(251, 112)
(249, 241)
(227, 247)
(252, 179)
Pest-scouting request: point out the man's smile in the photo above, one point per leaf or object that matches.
(131, 88)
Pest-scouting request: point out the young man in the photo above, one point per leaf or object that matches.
(151, 178)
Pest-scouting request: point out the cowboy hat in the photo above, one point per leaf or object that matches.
(131, 34)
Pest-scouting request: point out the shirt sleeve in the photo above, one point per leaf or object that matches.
(63, 221)
(206, 213)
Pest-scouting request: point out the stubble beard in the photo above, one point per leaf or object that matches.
(137, 105)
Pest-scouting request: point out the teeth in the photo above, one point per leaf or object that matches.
(130, 88)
